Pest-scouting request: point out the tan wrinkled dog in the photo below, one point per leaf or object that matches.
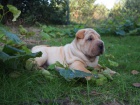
(83, 51)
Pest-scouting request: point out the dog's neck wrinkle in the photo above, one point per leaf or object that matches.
(77, 52)
(75, 45)
(69, 55)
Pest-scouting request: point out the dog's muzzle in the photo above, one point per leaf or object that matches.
(101, 47)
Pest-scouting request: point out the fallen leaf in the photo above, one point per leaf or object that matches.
(102, 80)
(109, 56)
(134, 72)
(107, 74)
(51, 67)
(46, 73)
(113, 63)
(95, 93)
(136, 84)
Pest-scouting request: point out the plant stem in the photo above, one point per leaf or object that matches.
(3, 14)
(88, 89)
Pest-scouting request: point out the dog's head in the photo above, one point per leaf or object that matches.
(89, 42)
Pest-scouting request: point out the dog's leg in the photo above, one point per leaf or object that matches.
(98, 67)
(40, 60)
(77, 65)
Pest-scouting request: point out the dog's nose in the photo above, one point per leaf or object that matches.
(101, 46)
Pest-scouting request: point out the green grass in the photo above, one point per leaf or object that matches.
(31, 88)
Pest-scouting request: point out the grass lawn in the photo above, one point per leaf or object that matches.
(31, 88)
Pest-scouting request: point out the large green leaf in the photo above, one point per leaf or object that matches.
(71, 74)
(15, 58)
(11, 36)
(1, 6)
(120, 32)
(107, 74)
(22, 30)
(48, 29)
(18, 61)
(12, 50)
(15, 11)
(1, 35)
(45, 35)
(5, 57)
(112, 63)
(16, 15)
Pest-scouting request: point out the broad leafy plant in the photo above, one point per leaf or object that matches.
(16, 13)
(49, 32)
(125, 27)
(13, 53)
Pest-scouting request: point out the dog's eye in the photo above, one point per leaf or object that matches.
(90, 39)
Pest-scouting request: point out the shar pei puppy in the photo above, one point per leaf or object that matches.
(83, 51)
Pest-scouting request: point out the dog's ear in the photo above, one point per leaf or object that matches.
(80, 34)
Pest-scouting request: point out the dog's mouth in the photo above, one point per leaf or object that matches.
(93, 55)
(98, 54)
(101, 51)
